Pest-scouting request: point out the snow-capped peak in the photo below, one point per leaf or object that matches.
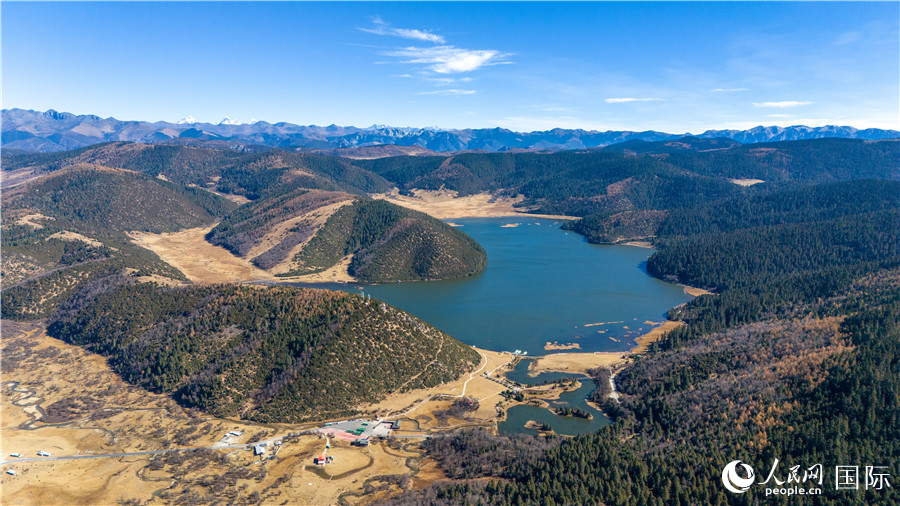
(187, 120)
(229, 121)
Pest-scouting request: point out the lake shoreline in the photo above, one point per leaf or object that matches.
(580, 362)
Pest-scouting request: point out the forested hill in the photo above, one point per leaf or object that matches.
(308, 231)
(795, 358)
(642, 177)
(252, 175)
(605, 182)
(819, 385)
(106, 200)
(272, 354)
(64, 228)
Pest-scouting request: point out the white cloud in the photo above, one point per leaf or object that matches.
(728, 90)
(781, 105)
(383, 28)
(448, 92)
(449, 59)
(623, 100)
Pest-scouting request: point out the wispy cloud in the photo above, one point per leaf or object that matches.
(442, 66)
(781, 105)
(623, 100)
(448, 92)
(382, 28)
(728, 90)
(448, 80)
(555, 108)
(449, 59)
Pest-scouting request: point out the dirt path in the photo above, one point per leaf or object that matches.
(429, 364)
(484, 361)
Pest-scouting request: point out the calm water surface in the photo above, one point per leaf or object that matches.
(518, 416)
(542, 284)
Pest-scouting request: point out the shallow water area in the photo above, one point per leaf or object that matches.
(518, 416)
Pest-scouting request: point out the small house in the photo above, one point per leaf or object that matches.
(11, 471)
(259, 450)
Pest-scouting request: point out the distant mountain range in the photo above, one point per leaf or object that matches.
(58, 131)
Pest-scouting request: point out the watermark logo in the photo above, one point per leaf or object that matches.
(798, 480)
(733, 481)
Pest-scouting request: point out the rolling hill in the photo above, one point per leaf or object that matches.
(66, 227)
(270, 354)
(252, 175)
(309, 231)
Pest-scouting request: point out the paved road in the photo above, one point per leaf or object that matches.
(171, 450)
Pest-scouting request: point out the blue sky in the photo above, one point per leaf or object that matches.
(674, 67)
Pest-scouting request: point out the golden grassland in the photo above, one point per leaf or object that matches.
(420, 404)
(63, 400)
(202, 262)
(696, 292)
(199, 260)
(446, 204)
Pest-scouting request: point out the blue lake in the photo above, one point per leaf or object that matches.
(541, 285)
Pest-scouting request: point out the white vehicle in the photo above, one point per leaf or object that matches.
(14, 455)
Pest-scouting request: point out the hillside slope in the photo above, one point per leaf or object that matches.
(110, 200)
(305, 232)
(64, 228)
(272, 354)
(252, 175)
(270, 232)
(794, 360)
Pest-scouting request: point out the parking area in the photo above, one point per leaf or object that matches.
(351, 430)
